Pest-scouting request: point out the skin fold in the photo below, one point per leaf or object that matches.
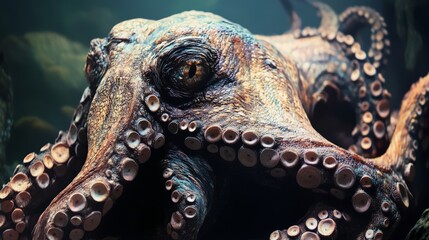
(193, 94)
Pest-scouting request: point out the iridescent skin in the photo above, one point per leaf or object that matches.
(192, 91)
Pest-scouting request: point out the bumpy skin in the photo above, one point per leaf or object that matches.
(194, 91)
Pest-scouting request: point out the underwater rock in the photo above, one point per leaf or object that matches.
(58, 59)
(420, 231)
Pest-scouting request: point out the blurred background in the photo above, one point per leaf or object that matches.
(43, 45)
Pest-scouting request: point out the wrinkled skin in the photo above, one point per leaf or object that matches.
(194, 94)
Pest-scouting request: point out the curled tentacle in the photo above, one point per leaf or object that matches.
(336, 175)
(336, 61)
(372, 109)
(328, 24)
(353, 18)
(43, 175)
(191, 186)
(329, 20)
(373, 100)
(360, 82)
(371, 198)
(293, 16)
(411, 129)
(360, 85)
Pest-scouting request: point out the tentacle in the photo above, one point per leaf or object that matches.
(372, 109)
(328, 24)
(320, 222)
(324, 221)
(361, 85)
(355, 17)
(338, 62)
(329, 20)
(371, 195)
(293, 16)
(190, 183)
(118, 138)
(411, 129)
(353, 181)
(43, 175)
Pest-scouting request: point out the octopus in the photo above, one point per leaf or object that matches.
(201, 105)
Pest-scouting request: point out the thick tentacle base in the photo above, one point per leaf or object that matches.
(191, 189)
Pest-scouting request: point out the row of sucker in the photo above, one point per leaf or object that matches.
(364, 86)
(354, 16)
(42, 175)
(365, 200)
(321, 169)
(320, 223)
(188, 209)
(84, 209)
(417, 127)
(370, 133)
(185, 215)
(357, 77)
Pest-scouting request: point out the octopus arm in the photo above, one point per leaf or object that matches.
(189, 181)
(293, 16)
(43, 175)
(329, 19)
(353, 18)
(364, 87)
(410, 130)
(349, 193)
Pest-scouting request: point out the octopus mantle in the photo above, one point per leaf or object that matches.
(198, 104)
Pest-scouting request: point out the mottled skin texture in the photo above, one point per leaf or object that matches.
(193, 92)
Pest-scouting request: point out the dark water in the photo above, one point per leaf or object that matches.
(45, 42)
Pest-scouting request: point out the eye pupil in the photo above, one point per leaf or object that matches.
(192, 71)
(185, 70)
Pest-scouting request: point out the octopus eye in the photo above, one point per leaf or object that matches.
(190, 75)
(186, 70)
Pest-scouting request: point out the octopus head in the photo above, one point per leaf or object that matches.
(195, 76)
